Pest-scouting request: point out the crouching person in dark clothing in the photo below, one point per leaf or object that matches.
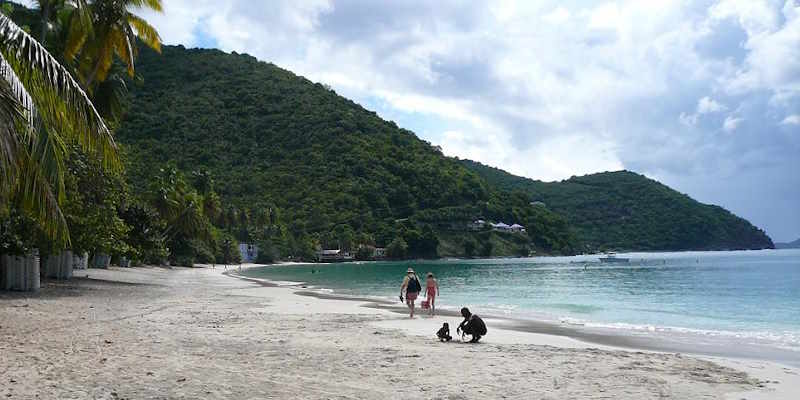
(472, 325)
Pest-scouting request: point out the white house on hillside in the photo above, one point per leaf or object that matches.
(477, 225)
(501, 226)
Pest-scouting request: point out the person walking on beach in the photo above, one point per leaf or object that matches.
(412, 287)
(431, 291)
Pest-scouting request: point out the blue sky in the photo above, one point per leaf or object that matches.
(702, 95)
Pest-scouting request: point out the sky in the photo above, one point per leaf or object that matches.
(703, 96)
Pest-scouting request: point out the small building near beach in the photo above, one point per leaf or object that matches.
(332, 255)
(248, 252)
(501, 226)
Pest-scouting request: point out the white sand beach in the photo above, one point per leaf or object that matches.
(154, 333)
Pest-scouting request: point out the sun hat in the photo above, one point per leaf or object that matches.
(410, 270)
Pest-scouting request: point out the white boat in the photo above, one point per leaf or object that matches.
(612, 258)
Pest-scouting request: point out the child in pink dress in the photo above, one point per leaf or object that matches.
(431, 291)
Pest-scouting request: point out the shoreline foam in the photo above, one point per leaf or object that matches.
(661, 339)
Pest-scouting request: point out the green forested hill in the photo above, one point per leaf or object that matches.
(339, 176)
(627, 211)
(337, 173)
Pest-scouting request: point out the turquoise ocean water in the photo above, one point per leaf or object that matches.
(748, 296)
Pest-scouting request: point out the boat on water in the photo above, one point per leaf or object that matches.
(612, 258)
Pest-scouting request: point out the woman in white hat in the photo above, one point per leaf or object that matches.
(412, 287)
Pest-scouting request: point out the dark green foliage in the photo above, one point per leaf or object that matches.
(627, 211)
(94, 198)
(268, 252)
(422, 243)
(397, 249)
(365, 253)
(144, 238)
(228, 249)
(338, 175)
(469, 247)
(17, 232)
(486, 248)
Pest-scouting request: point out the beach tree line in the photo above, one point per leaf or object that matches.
(66, 67)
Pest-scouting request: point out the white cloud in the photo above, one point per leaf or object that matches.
(772, 61)
(545, 161)
(791, 120)
(707, 105)
(731, 123)
(558, 16)
(688, 119)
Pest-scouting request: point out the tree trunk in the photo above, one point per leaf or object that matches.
(44, 4)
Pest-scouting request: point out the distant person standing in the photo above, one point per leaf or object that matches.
(412, 287)
(431, 291)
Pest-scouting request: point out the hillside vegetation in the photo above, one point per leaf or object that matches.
(335, 174)
(332, 174)
(627, 211)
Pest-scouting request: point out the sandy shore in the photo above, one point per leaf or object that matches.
(152, 333)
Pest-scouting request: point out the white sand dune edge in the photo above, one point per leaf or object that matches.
(194, 333)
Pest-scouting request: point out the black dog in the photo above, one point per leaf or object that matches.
(444, 333)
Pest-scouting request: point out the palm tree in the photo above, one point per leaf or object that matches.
(63, 28)
(114, 30)
(42, 110)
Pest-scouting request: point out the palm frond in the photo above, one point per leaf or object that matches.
(109, 96)
(154, 5)
(41, 183)
(145, 32)
(80, 29)
(12, 118)
(26, 160)
(56, 111)
(35, 195)
(33, 65)
(123, 47)
(17, 89)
